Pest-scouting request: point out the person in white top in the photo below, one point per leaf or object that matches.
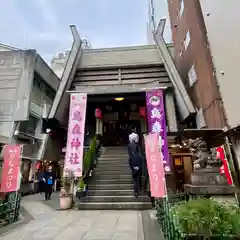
(133, 137)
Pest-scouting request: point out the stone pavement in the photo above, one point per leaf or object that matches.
(49, 224)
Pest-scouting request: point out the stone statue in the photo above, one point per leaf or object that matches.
(203, 157)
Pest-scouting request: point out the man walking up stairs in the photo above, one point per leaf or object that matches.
(112, 187)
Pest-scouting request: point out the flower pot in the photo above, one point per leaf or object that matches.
(66, 202)
(80, 194)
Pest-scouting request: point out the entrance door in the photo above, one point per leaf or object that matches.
(117, 132)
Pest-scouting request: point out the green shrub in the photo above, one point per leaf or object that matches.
(207, 217)
(88, 161)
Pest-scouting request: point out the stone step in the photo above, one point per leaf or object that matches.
(114, 156)
(110, 186)
(117, 177)
(115, 192)
(127, 198)
(116, 181)
(111, 167)
(114, 206)
(113, 163)
(117, 171)
(113, 173)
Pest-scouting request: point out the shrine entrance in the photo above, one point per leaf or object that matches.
(119, 115)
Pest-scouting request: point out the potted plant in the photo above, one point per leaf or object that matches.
(81, 191)
(66, 192)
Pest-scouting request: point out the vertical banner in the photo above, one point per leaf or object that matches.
(76, 129)
(225, 167)
(11, 168)
(155, 166)
(157, 122)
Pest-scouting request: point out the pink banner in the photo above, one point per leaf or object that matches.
(76, 129)
(11, 168)
(155, 166)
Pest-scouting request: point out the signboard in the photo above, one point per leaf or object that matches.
(11, 176)
(157, 123)
(225, 167)
(155, 166)
(76, 129)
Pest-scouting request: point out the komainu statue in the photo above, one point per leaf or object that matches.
(203, 157)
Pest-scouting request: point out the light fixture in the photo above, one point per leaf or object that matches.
(119, 98)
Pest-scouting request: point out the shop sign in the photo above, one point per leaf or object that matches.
(11, 176)
(157, 123)
(75, 139)
(155, 166)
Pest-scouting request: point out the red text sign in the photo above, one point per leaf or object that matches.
(11, 168)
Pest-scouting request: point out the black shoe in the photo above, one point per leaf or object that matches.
(135, 194)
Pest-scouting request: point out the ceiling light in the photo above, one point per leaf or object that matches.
(119, 98)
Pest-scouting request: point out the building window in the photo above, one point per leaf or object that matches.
(181, 8)
(187, 40)
(180, 54)
(29, 127)
(192, 76)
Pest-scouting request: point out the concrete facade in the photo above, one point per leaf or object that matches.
(193, 59)
(27, 90)
(224, 41)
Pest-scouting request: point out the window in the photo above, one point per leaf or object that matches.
(180, 54)
(181, 8)
(192, 76)
(29, 127)
(187, 40)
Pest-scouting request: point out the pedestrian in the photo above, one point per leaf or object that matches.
(133, 136)
(40, 175)
(49, 180)
(135, 164)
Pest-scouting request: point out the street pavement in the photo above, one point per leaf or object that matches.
(49, 224)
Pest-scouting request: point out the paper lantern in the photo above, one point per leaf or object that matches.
(38, 165)
(98, 113)
(142, 111)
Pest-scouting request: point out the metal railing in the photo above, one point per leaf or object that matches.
(9, 208)
(165, 215)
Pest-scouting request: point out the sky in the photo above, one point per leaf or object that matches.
(44, 24)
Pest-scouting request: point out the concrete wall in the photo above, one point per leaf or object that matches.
(4, 47)
(46, 73)
(124, 56)
(203, 92)
(16, 73)
(222, 25)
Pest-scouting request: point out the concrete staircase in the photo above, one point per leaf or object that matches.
(111, 187)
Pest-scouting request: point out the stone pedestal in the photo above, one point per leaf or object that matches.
(208, 181)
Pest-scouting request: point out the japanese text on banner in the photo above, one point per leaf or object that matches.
(76, 129)
(11, 168)
(157, 122)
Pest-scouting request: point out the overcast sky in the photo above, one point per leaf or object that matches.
(44, 24)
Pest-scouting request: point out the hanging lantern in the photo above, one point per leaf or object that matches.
(98, 113)
(142, 111)
(38, 165)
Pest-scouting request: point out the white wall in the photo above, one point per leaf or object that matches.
(222, 20)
